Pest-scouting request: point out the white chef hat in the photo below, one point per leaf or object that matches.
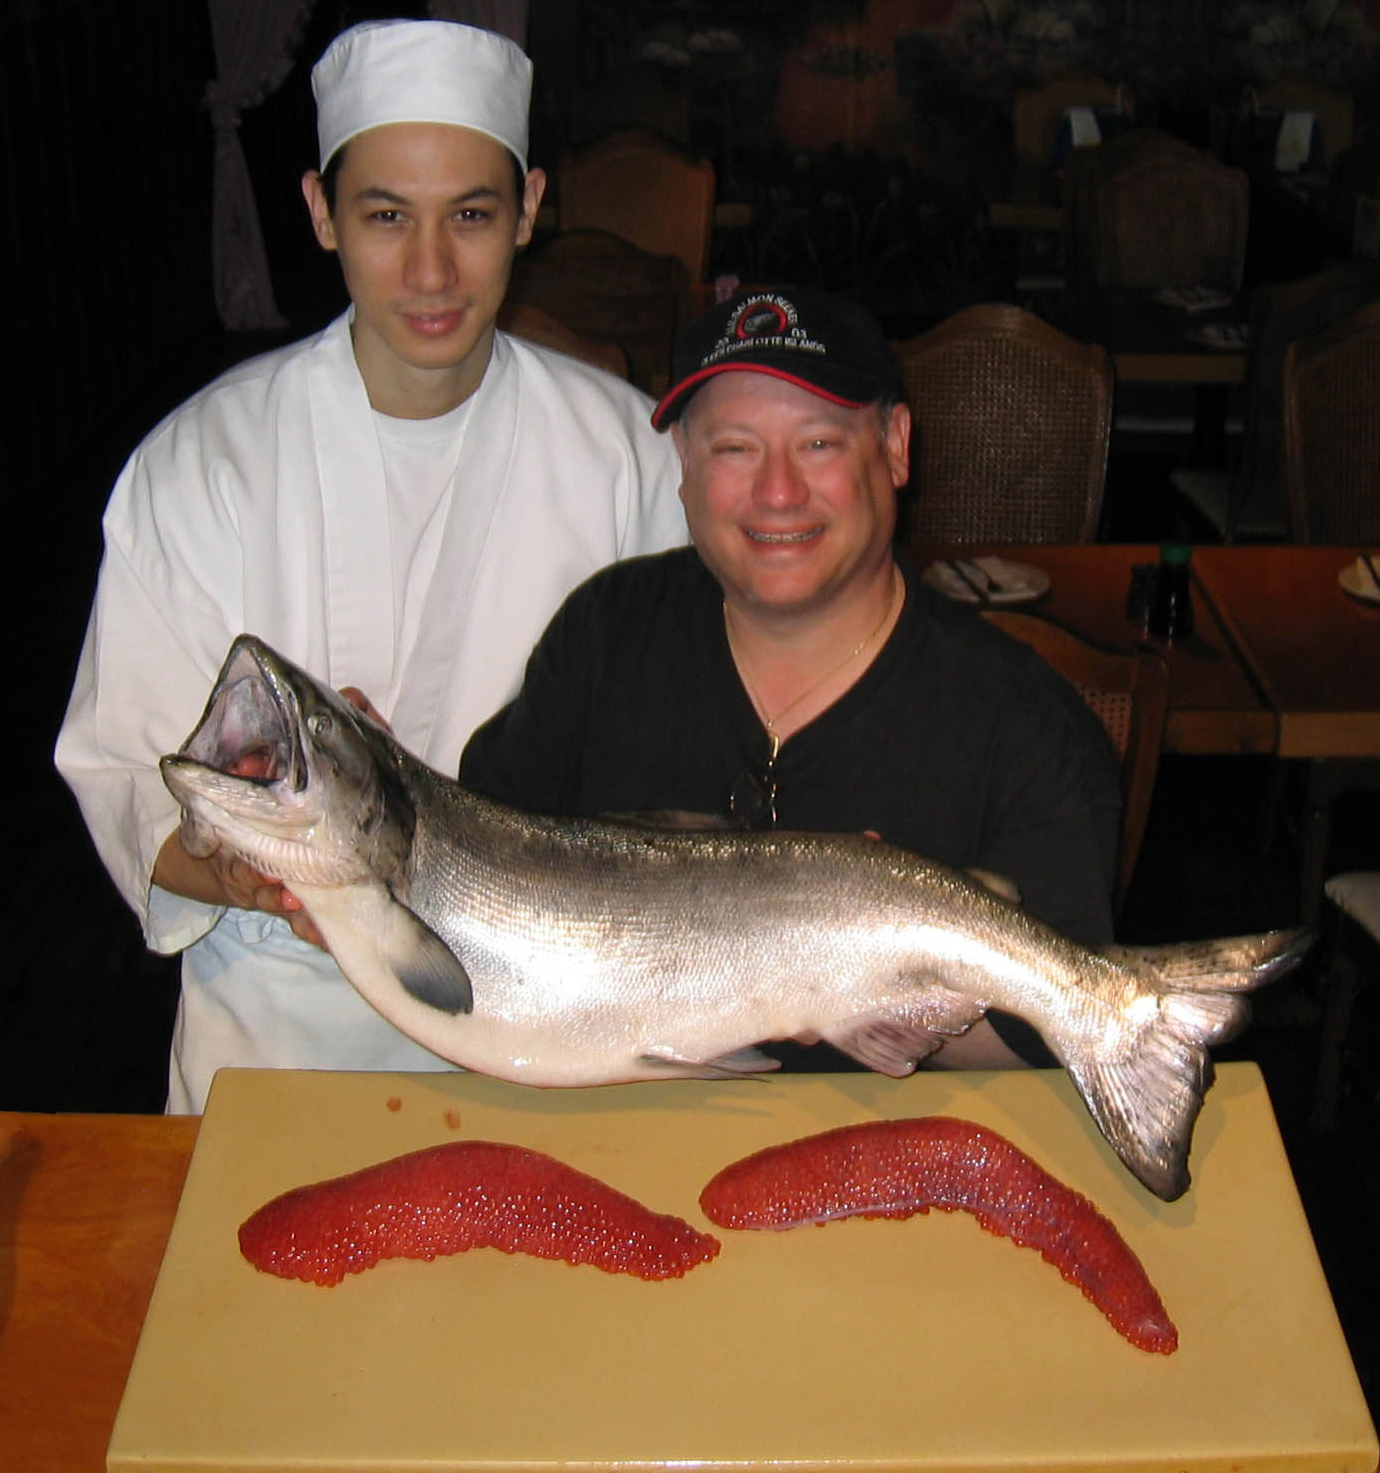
(422, 71)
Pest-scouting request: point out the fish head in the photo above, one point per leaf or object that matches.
(286, 774)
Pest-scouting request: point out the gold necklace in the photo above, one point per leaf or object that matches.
(897, 586)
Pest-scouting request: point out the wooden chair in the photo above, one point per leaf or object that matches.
(1252, 504)
(536, 326)
(1044, 171)
(1129, 693)
(635, 185)
(1331, 432)
(1151, 211)
(1353, 959)
(1011, 427)
(1038, 112)
(607, 290)
(1333, 110)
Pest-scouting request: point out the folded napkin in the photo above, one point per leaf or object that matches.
(1193, 298)
(986, 577)
(1228, 337)
(1294, 144)
(1007, 577)
(1366, 582)
(1083, 128)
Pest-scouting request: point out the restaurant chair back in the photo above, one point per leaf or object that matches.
(536, 326)
(1128, 690)
(1038, 113)
(1252, 504)
(644, 189)
(604, 289)
(1151, 211)
(1332, 109)
(1353, 960)
(1331, 386)
(1011, 422)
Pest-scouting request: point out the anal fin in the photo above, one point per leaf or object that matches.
(742, 1063)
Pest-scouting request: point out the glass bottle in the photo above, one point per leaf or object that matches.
(1171, 606)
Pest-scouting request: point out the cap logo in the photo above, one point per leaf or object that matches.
(762, 319)
(768, 321)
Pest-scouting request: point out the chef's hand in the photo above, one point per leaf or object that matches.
(290, 908)
(222, 879)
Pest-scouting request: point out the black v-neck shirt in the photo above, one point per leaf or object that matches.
(957, 743)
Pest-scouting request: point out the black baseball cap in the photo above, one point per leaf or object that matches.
(815, 339)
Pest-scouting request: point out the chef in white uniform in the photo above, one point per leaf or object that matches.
(398, 504)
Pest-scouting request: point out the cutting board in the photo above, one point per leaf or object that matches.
(923, 1344)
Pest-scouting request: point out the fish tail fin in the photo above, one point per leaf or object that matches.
(1147, 1101)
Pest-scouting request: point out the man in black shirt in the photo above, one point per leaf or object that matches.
(788, 671)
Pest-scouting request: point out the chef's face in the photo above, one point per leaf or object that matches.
(425, 221)
(790, 499)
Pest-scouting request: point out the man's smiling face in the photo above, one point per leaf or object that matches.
(790, 498)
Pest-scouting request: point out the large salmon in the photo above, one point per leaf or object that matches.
(556, 952)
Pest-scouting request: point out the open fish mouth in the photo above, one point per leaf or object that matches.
(250, 728)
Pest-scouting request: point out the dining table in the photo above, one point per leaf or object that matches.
(1031, 202)
(1283, 661)
(1152, 341)
(1312, 647)
(1155, 343)
(86, 1205)
(134, 1334)
(1216, 705)
(1313, 650)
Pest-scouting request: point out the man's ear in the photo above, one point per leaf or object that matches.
(897, 440)
(678, 438)
(532, 192)
(318, 209)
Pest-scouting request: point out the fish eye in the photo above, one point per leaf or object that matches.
(319, 723)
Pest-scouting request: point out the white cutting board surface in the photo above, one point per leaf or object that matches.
(925, 1344)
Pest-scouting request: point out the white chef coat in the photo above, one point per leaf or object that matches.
(259, 506)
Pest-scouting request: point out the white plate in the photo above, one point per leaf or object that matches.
(1225, 337)
(1193, 298)
(1014, 583)
(1356, 582)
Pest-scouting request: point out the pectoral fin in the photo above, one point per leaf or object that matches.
(382, 945)
(427, 968)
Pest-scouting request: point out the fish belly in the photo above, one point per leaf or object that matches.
(581, 997)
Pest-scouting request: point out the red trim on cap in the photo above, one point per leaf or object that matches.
(695, 379)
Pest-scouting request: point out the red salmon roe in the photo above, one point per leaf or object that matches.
(466, 1194)
(896, 1168)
